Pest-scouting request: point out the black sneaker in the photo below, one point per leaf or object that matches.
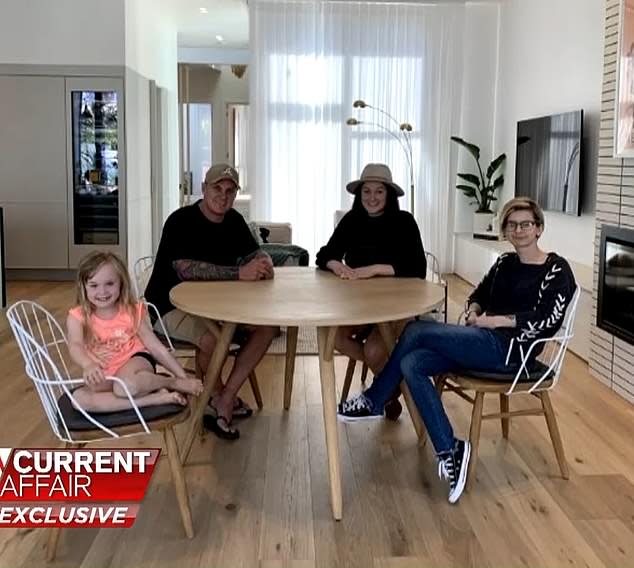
(356, 408)
(453, 467)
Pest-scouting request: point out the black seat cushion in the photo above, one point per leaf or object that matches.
(536, 372)
(76, 421)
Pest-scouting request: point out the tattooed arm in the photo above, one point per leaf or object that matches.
(199, 270)
(259, 263)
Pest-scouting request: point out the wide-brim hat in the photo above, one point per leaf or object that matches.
(375, 172)
(219, 172)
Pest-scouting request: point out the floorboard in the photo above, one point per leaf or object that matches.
(265, 501)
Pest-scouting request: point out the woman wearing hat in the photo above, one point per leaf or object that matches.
(375, 238)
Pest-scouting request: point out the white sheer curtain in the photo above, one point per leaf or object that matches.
(310, 61)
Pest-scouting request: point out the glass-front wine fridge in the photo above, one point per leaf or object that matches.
(96, 169)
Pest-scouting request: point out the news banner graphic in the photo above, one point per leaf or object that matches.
(73, 488)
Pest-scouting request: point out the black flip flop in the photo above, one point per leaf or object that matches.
(220, 427)
(241, 409)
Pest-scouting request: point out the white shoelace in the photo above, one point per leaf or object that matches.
(444, 467)
(357, 403)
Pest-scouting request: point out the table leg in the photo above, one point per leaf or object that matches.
(387, 333)
(289, 369)
(213, 372)
(326, 339)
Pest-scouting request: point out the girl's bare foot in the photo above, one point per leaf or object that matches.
(188, 386)
(164, 396)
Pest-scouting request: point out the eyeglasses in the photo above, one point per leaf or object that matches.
(512, 226)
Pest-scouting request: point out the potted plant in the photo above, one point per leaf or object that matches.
(481, 188)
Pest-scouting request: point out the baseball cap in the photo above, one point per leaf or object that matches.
(218, 172)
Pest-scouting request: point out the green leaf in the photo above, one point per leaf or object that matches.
(468, 190)
(472, 148)
(495, 164)
(471, 178)
(497, 183)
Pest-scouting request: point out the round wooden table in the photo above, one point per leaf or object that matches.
(303, 296)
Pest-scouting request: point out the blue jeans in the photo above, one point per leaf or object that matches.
(425, 349)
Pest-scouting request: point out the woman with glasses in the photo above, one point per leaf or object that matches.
(524, 297)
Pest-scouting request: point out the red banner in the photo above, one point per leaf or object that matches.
(97, 488)
(69, 515)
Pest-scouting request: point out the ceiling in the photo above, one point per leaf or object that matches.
(227, 18)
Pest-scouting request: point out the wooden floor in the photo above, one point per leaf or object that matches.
(264, 500)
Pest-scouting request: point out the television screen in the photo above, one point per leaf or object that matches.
(615, 306)
(548, 161)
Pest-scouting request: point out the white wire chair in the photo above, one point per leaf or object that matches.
(180, 349)
(142, 272)
(437, 312)
(533, 376)
(42, 343)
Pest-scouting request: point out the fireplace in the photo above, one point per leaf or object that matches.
(615, 308)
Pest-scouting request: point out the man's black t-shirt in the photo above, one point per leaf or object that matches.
(189, 235)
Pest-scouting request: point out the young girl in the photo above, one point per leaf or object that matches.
(108, 335)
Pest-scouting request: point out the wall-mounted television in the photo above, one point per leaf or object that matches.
(548, 163)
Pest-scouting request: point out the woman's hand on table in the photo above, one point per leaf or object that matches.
(361, 273)
(340, 269)
(364, 272)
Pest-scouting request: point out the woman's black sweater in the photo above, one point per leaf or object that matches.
(392, 238)
(536, 294)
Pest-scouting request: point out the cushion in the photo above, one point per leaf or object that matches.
(264, 234)
(76, 421)
(286, 255)
(536, 372)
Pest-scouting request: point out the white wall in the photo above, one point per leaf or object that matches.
(137, 132)
(213, 55)
(218, 86)
(551, 61)
(62, 32)
(150, 53)
(227, 89)
(477, 121)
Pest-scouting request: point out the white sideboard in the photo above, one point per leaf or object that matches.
(473, 258)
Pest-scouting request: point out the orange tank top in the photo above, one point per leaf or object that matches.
(115, 340)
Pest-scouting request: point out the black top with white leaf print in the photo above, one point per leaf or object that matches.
(536, 294)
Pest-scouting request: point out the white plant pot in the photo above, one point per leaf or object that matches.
(482, 222)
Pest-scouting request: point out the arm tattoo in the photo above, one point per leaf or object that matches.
(198, 270)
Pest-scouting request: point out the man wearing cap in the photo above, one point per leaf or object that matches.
(210, 240)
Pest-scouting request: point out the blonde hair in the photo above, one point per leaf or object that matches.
(521, 204)
(87, 268)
